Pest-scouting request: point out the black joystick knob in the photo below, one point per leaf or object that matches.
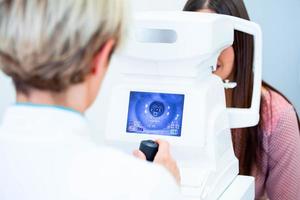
(149, 148)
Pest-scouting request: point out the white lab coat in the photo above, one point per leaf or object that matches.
(46, 154)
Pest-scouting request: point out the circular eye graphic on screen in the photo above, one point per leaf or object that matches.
(155, 113)
(157, 109)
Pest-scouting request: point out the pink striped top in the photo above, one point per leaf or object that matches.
(279, 178)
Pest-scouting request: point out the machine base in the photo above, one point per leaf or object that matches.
(242, 188)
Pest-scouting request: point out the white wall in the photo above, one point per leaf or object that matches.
(281, 27)
(7, 94)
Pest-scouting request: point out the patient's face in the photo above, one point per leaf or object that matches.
(225, 65)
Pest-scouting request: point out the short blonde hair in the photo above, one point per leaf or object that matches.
(51, 44)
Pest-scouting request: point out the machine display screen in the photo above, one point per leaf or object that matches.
(155, 113)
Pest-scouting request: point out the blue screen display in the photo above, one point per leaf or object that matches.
(155, 113)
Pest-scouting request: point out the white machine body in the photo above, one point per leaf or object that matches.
(161, 85)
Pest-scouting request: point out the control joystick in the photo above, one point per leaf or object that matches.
(149, 148)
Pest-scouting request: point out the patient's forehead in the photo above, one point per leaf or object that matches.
(206, 10)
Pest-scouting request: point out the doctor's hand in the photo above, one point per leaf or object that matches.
(164, 158)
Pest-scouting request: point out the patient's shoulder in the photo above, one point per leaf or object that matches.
(274, 109)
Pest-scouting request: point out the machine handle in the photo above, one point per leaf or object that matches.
(247, 117)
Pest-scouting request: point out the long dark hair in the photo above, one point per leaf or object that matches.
(247, 141)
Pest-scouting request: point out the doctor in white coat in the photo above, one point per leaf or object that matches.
(57, 53)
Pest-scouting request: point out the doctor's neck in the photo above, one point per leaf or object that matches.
(75, 97)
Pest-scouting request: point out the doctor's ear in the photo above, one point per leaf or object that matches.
(225, 65)
(101, 61)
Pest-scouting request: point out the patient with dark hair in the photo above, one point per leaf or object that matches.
(269, 151)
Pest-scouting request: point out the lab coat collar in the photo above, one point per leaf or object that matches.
(40, 118)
